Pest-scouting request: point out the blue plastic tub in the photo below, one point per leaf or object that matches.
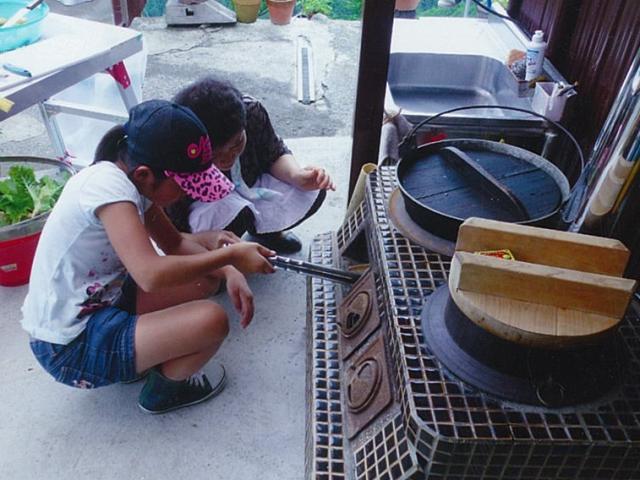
(23, 34)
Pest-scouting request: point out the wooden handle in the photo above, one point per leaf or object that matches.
(559, 287)
(554, 248)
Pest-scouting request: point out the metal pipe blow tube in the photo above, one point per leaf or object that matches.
(314, 270)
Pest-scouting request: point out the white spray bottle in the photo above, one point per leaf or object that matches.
(535, 55)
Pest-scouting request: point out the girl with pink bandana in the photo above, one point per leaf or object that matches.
(103, 306)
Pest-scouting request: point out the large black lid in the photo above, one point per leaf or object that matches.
(446, 182)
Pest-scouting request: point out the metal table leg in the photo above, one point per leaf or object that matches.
(49, 109)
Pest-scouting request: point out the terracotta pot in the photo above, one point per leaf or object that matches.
(280, 11)
(407, 4)
(247, 10)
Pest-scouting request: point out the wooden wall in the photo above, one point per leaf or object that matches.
(592, 42)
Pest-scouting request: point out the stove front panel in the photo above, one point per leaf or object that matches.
(367, 386)
(358, 315)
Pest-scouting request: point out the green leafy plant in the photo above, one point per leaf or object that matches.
(22, 196)
(311, 7)
(346, 9)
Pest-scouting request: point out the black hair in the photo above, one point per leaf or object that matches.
(113, 147)
(218, 104)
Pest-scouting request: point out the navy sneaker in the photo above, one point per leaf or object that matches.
(137, 378)
(160, 394)
(281, 242)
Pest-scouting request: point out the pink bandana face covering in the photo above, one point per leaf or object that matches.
(207, 186)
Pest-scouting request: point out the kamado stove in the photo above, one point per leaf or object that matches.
(401, 384)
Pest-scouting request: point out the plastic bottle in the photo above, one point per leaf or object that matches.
(535, 55)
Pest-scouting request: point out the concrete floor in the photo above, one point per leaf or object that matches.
(255, 428)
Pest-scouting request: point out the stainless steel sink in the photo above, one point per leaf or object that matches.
(423, 84)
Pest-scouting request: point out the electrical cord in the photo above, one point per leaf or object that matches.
(493, 12)
(499, 15)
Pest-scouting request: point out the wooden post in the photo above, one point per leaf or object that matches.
(377, 25)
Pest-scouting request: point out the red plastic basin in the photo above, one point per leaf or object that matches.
(16, 258)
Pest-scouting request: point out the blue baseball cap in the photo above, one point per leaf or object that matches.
(169, 137)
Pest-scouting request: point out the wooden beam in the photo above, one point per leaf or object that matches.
(377, 25)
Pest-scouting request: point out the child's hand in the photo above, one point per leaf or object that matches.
(250, 257)
(313, 178)
(213, 239)
(241, 296)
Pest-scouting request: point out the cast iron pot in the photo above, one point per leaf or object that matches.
(443, 183)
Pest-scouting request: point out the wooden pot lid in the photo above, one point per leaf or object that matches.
(552, 300)
(528, 323)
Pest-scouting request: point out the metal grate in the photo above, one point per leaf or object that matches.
(324, 459)
(306, 97)
(305, 71)
(351, 228)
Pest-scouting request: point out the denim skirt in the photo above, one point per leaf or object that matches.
(104, 353)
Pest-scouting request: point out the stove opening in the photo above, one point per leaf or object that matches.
(357, 250)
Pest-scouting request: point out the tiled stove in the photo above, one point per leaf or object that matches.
(381, 405)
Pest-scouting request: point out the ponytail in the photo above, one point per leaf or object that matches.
(112, 146)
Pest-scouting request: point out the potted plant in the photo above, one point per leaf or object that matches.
(280, 11)
(311, 7)
(407, 5)
(247, 10)
(29, 187)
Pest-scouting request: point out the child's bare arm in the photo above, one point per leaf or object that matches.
(168, 238)
(151, 271)
(213, 239)
(172, 242)
(162, 231)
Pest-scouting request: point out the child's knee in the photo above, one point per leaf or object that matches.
(215, 322)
